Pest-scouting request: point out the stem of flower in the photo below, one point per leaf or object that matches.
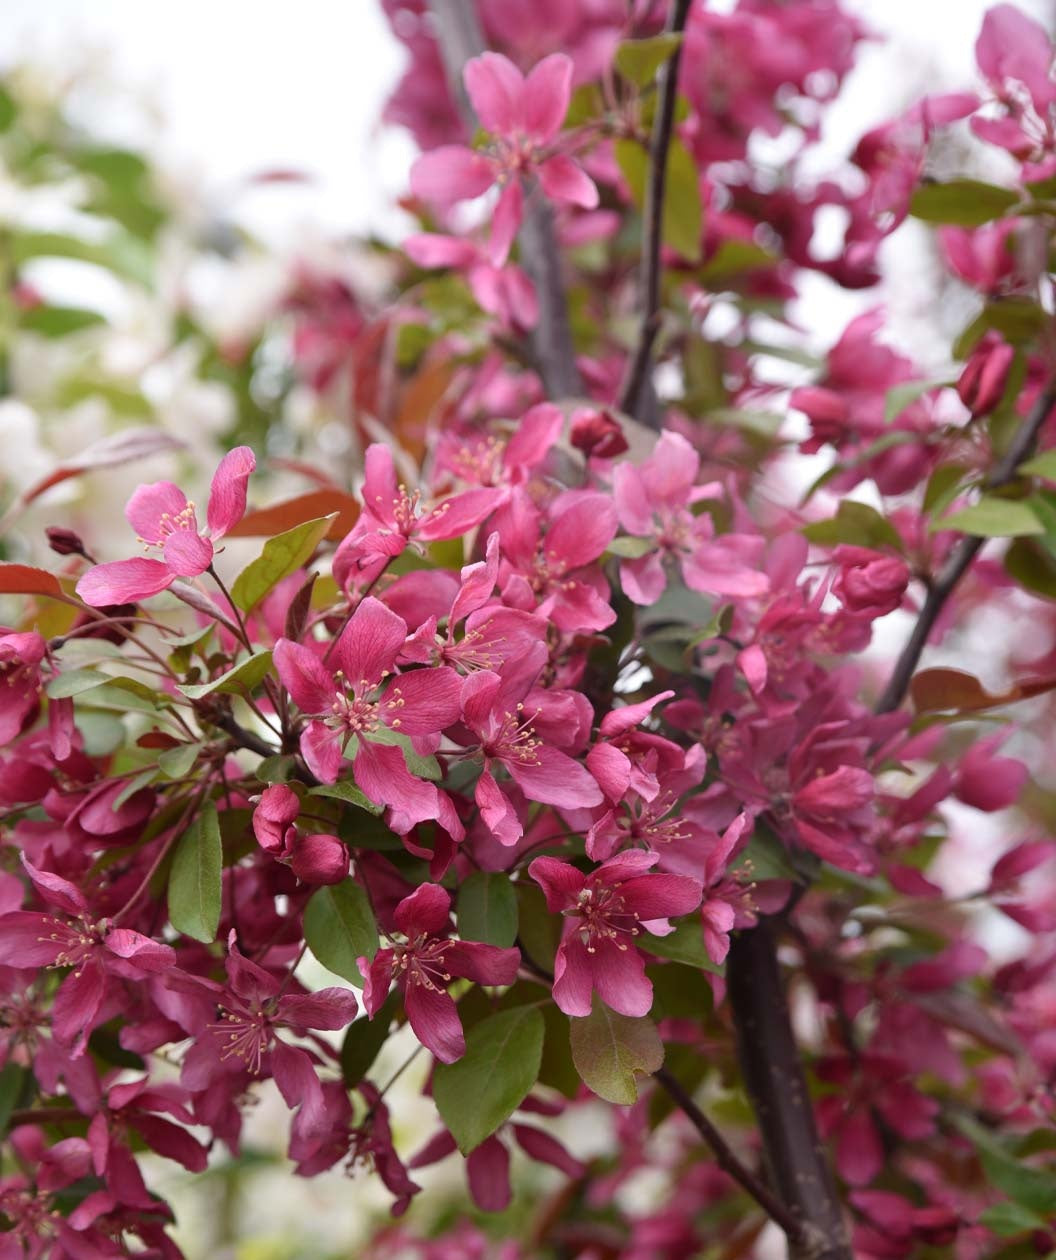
(637, 397)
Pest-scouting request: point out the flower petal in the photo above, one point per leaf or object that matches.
(566, 181)
(227, 494)
(427, 910)
(305, 677)
(423, 702)
(496, 89)
(560, 881)
(547, 92)
(124, 582)
(370, 642)
(451, 174)
(434, 1020)
(152, 505)
(187, 553)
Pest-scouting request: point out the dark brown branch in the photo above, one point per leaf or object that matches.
(460, 38)
(728, 1161)
(636, 397)
(773, 1076)
(964, 552)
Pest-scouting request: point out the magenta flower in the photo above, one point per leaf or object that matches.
(314, 858)
(504, 292)
(523, 115)
(606, 911)
(97, 954)
(425, 963)
(20, 657)
(166, 520)
(353, 709)
(655, 500)
(494, 711)
(869, 584)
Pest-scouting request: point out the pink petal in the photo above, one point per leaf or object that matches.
(560, 881)
(28, 940)
(859, 1154)
(536, 436)
(644, 580)
(377, 980)
(187, 553)
(547, 92)
(488, 1172)
(477, 582)
(55, 890)
(451, 174)
(506, 221)
(319, 859)
(305, 677)
(581, 531)
(382, 774)
(152, 504)
(661, 896)
(566, 181)
(124, 582)
(170, 1140)
(330, 1009)
(619, 721)
(227, 494)
(434, 1021)
(296, 1078)
(483, 964)
(545, 1149)
(611, 768)
(370, 643)
(428, 249)
(555, 779)
(148, 955)
(423, 702)
(479, 694)
(496, 89)
(427, 909)
(620, 979)
(573, 983)
(76, 1005)
(321, 750)
(497, 811)
(460, 513)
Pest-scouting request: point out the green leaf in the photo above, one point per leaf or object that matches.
(539, 930)
(487, 908)
(857, 524)
(501, 1064)
(611, 1050)
(896, 400)
(1043, 465)
(73, 682)
(339, 927)
(281, 556)
(991, 517)
(734, 257)
(194, 882)
(943, 486)
(58, 321)
(683, 211)
(122, 254)
(1031, 1188)
(364, 1039)
(238, 681)
(963, 202)
(346, 791)
(639, 59)
(685, 945)
(421, 767)
(13, 1078)
(176, 763)
(1009, 1219)
(629, 548)
(1032, 567)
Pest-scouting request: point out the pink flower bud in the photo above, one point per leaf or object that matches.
(319, 859)
(985, 376)
(826, 410)
(869, 583)
(596, 433)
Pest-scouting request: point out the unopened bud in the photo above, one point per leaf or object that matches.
(597, 433)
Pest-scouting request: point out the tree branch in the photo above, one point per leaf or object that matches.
(773, 1076)
(728, 1161)
(460, 38)
(964, 552)
(637, 397)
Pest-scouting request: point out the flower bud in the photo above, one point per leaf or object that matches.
(65, 542)
(985, 376)
(826, 410)
(869, 583)
(597, 433)
(319, 859)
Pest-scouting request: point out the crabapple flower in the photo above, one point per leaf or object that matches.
(504, 292)
(315, 859)
(869, 583)
(166, 520)
(654, 501)
(523, 116)
(353, 709)
(20, 657)
(606, 911)
(425, 962)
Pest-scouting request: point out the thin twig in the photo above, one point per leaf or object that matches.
(634, 395)
(960, 558)
(728, 1161)
(460, 39)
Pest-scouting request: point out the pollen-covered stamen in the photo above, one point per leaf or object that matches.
(604, 916)
(513, 739)
(422, 962)
(475, 650)
(482, 464)
(78, 943)
(169, 523)
(353, 712)
(246, 1035)
(13, 668)
(650, 823)
(675, 532)
(404, 509)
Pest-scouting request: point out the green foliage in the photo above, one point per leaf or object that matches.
(639, 59)
(281, 556)
(239, 680)
(482, 1090)
(339, 927)
(857, 524)
(611, 1051)
(963, 202)
(487, 908)
(992, 517)
(195, 878)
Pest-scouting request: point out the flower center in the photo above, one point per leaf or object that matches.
(421, 961)
(247, 1035)
(513, 739)
(603, 917)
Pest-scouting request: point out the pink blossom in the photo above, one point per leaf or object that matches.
(504, 292)
(982, 383)
(425, 962)
(355, 712)
(523, 115)
(20, 656)
(166, 520)
(654, 500)
(606, 911)
(869, 583)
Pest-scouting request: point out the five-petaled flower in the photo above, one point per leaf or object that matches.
(523, 116)
(605, 913)
(425, 963)
(166, 520)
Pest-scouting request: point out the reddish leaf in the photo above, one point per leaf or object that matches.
(941, 690)
(267, 522)
(109, 452)
(23, 579)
